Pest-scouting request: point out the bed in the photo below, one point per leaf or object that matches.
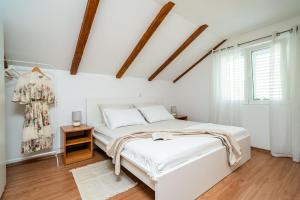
(188, 165)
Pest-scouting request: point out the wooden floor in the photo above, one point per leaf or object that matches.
(262, 178)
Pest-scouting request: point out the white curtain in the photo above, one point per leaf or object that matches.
(228, 86)
(285, 100)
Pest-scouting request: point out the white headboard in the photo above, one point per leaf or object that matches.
(93, 113)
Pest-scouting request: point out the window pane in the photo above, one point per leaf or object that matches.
(266, 75)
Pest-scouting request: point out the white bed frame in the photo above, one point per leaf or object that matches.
(186, 181)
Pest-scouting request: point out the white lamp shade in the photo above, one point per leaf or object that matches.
(76, 116)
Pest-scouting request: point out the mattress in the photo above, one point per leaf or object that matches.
(156, 157)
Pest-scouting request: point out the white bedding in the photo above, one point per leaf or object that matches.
(156, 157)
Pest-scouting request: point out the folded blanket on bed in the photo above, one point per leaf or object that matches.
(115, 147)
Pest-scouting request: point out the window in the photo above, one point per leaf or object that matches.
(252, 73)
(266, 82)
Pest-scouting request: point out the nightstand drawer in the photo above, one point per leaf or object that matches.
(78, 155)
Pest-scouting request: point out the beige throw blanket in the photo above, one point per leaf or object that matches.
(115, 147)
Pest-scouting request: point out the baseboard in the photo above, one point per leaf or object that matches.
(261, 150)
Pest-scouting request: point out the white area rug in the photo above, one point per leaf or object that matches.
(97, 181)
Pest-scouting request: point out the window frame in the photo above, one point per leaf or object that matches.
(250, 72)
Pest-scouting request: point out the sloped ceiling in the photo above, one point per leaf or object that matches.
(231, 17)
(47, 31)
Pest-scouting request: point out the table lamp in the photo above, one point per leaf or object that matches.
(76, 118)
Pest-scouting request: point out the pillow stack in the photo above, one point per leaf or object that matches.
(115, 116)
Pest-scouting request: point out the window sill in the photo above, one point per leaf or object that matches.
(257, 102)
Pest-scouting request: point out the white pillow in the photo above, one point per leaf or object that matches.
(114, 106)
(145, 104)
(122, 117)
(155, 113)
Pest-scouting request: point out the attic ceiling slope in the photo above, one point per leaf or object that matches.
(42, 31)
(232, 17)
(47, 31)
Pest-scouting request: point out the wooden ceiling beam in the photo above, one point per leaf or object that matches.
(200, 60)
(146, 36)
(5, 63)
(184, 45)
(89, 15)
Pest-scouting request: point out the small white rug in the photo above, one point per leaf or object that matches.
(97, 181)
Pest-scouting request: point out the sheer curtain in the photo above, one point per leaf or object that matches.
(285, 100)
(228, 86)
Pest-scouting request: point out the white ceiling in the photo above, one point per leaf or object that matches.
(47, 31)
(231, 17)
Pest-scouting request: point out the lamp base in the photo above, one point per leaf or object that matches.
(76, 124)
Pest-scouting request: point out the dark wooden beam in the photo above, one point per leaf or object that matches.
(90, 11)
(5, 63)
(146, 36)
(196, 63)
(184, 45)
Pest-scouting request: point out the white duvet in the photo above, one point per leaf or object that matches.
(156, 157)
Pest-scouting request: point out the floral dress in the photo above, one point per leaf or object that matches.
(36, 93)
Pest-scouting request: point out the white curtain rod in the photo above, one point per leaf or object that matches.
(261, 38)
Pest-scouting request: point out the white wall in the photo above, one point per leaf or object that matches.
(71, 93)
(2, 115)
(193, 95)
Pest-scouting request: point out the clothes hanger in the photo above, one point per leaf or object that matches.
(11, 73)
(8, 75)
(12, 69)
(37, 69)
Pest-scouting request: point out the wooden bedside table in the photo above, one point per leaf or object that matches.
(181, 117)
(78, 143)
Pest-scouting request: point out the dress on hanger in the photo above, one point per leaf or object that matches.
(36, 93)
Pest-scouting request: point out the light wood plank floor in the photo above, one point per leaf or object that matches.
(262, 178)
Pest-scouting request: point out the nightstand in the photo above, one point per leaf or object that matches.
(78, 143)
(181, 117)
